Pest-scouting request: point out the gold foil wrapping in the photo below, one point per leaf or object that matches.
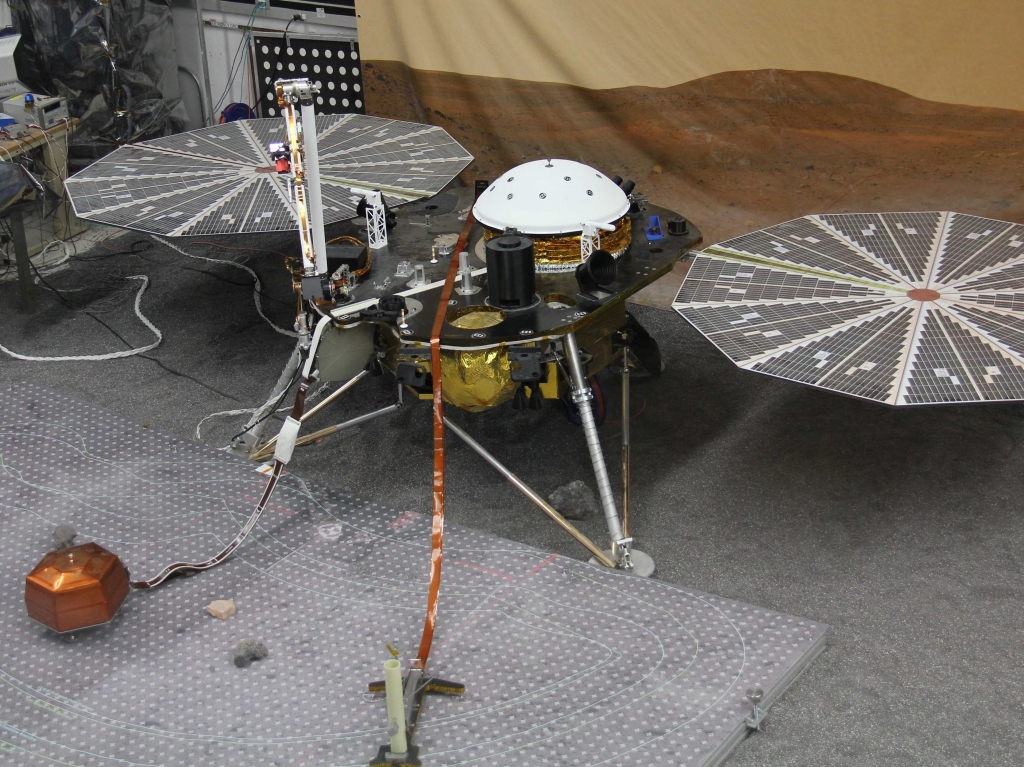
(476, 318)
(563, 253)
(476, 380)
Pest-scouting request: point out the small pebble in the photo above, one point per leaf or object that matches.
(221, 608)
(64, 537)
(249, 650)
(574, 500)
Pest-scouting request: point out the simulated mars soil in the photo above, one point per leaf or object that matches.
(735, 151)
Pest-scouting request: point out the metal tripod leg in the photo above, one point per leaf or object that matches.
(359, 419)
(581, 395)
(525, 489)
(625, 441)
(267, 448)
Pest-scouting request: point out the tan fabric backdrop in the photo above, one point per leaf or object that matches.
(957, 51)
(737, 113)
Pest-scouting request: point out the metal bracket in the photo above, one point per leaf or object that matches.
(622, 553)
(755, 695)
(527, 365)
(317, 287)
(411, 374)
(415, 687)
(385, 758)
(584, 395)
(419, 277)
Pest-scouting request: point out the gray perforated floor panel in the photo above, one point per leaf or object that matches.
(564, 662)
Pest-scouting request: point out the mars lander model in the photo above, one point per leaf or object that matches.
(521, 298)
(513, 291)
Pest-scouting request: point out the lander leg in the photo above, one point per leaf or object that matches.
(319, 435)
(581, 395)
(525, 489)
(625, 440)
(622, 550)
(267, 449)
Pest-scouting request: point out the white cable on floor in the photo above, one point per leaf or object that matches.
(256, 286)
(225, 414)
(63, 245)
(44, 269)
(250, 410)
(113, 355)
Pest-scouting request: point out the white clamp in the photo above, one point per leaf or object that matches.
(286, 439)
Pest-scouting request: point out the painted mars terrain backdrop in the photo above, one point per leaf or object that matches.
(734, 151)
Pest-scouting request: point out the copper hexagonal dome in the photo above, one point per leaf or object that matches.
(76, 587)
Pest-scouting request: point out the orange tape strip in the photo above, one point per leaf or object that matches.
(437, 529)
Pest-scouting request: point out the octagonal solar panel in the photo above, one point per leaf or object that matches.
(899, 308)
(220, 180)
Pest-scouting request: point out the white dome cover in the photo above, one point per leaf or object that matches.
(551, 197)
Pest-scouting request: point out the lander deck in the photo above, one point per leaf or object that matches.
(561, 308)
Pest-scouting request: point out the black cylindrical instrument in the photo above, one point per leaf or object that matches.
(510, 277)
(596, 272)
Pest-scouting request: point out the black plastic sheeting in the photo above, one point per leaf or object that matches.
(19, 185)
(114, 63)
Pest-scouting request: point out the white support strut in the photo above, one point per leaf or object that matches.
(590, 237)
(376, 220)
(396, 706)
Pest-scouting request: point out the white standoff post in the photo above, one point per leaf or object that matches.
(376, 221)
(466, 286)
(396, 705)
(590, 237)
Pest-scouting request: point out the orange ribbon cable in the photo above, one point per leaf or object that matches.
(167, 572)
(437, 528)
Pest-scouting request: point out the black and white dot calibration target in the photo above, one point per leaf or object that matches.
(333, 65)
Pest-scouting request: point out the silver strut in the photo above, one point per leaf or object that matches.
(581, 396)
(316, 200)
